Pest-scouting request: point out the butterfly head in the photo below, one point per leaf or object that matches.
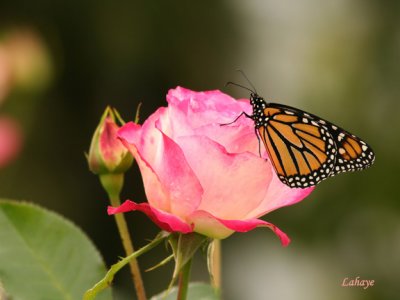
(257, 102)
(259, 105)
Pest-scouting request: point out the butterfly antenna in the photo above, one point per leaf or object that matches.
(247, 79)
(241, 86)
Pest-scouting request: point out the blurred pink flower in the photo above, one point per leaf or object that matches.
(200, 176)
(29, 58)
(10, 140)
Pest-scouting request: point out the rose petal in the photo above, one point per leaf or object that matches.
(111, 148)
(202, 108)
(164, 220)
(176, 174)
(250, 224)
(156, 194)
(234, 184)
(234, 137)
(179, 183)
(279, 195)
(210, 225)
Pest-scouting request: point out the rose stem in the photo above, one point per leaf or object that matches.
(113, 194)
(183, 284)
(217, 265)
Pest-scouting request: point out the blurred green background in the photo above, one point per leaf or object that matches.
(336, 59)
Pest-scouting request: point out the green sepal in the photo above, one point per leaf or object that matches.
(137, 116)
(161, 263)
(210, 264)
(213, 264)
(112, 183)
(184, 246)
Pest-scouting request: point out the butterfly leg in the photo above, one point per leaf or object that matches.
(237, 118)
(259, 141)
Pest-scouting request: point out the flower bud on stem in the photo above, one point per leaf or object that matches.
(109, 159)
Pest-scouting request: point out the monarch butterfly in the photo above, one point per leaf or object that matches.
(303, 148)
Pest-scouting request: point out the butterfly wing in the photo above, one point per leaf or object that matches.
(305, 149)
(352, 153)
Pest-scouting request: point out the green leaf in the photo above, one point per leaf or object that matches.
(44, 256)
(197, 291)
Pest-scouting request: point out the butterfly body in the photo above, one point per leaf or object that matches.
(303, 148)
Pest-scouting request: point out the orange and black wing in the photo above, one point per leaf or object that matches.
(305, 149)
(352, 153)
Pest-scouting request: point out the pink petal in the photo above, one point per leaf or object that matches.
(111, 148)
(165, 221)
(250, 224)
(206, 223)
(234, 184)
(167, 162)
(279, 195)
(177, 175)
(203, 113)
(202, 108)
(234, 137)
(157, 196)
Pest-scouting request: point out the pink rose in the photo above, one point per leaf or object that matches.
(201, 176)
